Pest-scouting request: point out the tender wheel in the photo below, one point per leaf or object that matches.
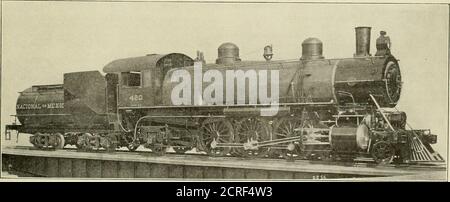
(285, 128)
(80, 143)
(38, 140)
(382, 152)
(60, 142)
(84, 141)
(249, 131)
(213, 131)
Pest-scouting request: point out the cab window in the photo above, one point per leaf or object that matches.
(131, 79)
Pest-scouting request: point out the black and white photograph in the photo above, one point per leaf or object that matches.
(224, 91)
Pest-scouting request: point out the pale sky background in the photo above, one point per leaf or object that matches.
(43, 40)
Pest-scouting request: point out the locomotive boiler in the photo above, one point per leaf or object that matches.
(341, 108)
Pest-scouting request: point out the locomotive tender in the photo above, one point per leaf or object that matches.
(340, 108)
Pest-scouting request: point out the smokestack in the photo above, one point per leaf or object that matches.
(362, 41)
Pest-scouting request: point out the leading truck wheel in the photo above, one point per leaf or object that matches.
(382, 152)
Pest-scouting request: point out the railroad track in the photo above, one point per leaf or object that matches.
(360, 162)
(70, 162)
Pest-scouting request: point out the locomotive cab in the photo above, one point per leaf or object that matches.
(139, 79)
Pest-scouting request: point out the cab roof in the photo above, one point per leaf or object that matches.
(143, 62)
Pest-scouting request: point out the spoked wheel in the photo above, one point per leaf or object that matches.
(213, 131)
(285, 128)
(382, 152)
(249, 131)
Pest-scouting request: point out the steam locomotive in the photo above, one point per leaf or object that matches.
(340, 109)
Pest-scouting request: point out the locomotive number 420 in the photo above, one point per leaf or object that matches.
(136, 98)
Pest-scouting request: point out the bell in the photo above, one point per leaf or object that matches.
(268, 52)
